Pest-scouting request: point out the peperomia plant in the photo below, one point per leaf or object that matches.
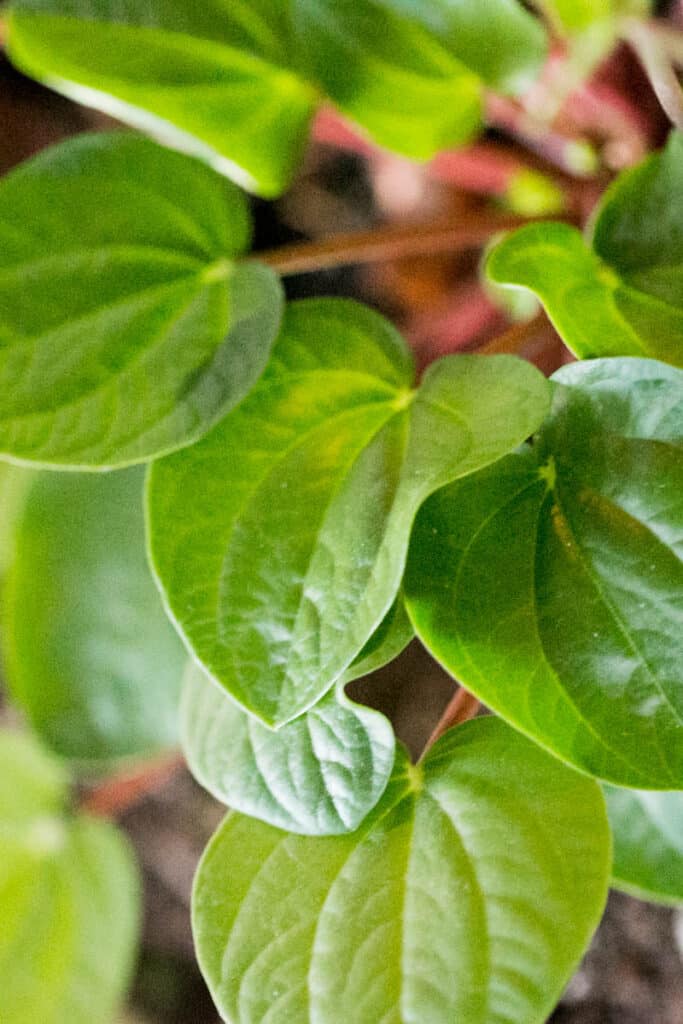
(309, 507)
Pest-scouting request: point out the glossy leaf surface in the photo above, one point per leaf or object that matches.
(126, 328)
(648, 843)
(279, 541)
(621, 292)
(212, 77)
(89, 653)
(68, 899)
(468, 895)
(318, 775)
(551, 584)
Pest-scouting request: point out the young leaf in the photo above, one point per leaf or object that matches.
(412, 74)
(126, 328)
(468, 895)
(318, 775)
(89, 653)
(551, 583)
(648, 843)
(68, 899)
(622, 294)
(212, 77)
(279, 540)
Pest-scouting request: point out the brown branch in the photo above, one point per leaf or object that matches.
(113, 796)
(461, 708)
(388, 243)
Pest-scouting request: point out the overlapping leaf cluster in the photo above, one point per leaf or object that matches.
(296, 472)
(238, 82)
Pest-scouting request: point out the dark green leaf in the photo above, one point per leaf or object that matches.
(648, 843)
(551, 583)
(89, 653)
(467, 896)
(212, 77)
(69, 900)
(622, 295)
(279, 540)
(318, 775)
(126, 328)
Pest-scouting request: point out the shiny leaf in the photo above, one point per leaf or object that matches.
(126, 328)
(318, 775)
(551, 583)
(621, 291)
(648, 843)
(279, 540)
(468, 895)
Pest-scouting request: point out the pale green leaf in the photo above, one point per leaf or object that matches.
(279, 540)
(318, 775)
(210, 77)
(69, 901)
(468, 895)
(620, 293)
(89, 652)
(126, 328)
(648, 843)
(551, 584)
(32, 781)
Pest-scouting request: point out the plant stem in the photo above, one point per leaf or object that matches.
(461, 708)
(658, 66)
(113, 796)
(515, 338)
(388, 243)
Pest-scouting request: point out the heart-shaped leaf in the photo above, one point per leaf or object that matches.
(468, 895)
(212, 77)
(648, 843)
(89, 652)
(69, 900)
(237, 82)
(622, 294)
(318, 775)
(126, 328)
(551, 583)
(279, 540)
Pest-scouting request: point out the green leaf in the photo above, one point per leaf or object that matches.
(126, 329)
(213, 77)
(622, 294)
(468, 895)
(318, 775)
(237, 83)
(32, 781)
(550, 584)
(648, 843)
(413, 74)
(279, 540)
(574, 16)
(89, 652)
(69, 899)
